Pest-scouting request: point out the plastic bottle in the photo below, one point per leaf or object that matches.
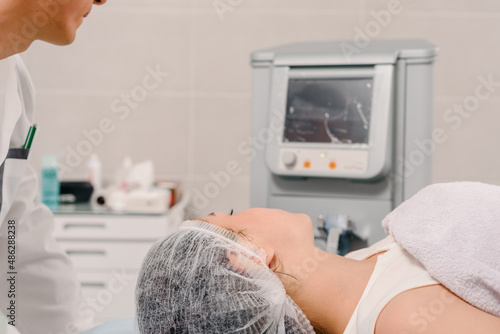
(50, 184)
(123, 173)
(95, 172)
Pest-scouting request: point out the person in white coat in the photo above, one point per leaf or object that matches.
(39, 292)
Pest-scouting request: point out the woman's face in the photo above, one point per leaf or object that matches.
(64, 18)
(288, 236)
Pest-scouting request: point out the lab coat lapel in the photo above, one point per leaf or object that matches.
(16, 112)
(11, 106)
(26, 89)
(26, 93)
(15, 171)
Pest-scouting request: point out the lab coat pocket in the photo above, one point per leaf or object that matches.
(11, 173)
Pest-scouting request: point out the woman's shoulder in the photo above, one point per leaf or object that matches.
(381, 246)
(433, 309)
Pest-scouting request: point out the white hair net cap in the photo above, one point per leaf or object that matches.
(206, 279)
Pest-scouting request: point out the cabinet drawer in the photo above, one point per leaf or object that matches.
(109, 227)
(108, 295)
(100, 255)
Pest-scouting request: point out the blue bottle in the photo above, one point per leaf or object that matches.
(51, 187)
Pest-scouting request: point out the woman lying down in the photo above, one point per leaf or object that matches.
(258, 271)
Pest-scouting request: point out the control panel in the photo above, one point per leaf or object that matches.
(324, 161)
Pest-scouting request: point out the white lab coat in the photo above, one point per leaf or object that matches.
(47, 293)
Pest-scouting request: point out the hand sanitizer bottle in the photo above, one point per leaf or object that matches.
(51, 187)
(95, 172)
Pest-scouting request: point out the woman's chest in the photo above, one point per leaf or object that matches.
(433, 309)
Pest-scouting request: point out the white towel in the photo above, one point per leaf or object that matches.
(453, 229)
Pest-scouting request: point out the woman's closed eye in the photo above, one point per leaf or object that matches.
(213, 213)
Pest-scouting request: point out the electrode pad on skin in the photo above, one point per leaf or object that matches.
(206, 279)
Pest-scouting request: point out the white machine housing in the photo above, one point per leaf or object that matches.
(318, 159)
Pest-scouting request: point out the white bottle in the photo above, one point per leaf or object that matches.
(95, 172)
(122, 175)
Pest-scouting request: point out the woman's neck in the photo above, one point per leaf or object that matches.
(328, 288)
(17, 31)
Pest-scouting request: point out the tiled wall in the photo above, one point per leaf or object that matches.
(192, 123)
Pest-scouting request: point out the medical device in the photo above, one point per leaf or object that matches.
(343, 128)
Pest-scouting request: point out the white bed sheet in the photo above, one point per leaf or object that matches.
(118, 326)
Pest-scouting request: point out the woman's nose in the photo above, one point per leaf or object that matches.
(99, 2)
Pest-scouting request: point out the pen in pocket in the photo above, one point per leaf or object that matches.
(29, 137)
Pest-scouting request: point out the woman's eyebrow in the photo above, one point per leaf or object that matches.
(211, 214)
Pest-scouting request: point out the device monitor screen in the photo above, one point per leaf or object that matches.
(328, 110)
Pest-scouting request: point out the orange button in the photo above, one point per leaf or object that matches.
(333, 165)
(307, 164)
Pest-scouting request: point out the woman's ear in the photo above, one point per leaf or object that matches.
(268, 253)
(244, 262)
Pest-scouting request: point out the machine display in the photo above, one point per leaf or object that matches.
(334, 121)
(328, 111)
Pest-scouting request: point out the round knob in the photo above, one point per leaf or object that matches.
(289, 159)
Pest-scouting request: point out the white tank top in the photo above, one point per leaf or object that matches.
(396, 271)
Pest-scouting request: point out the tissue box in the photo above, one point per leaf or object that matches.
(147, 201)
(138, 201)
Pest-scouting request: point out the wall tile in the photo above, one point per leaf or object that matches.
(207, 197)
(223, 48)
(221, 125)
(470, 152)
(441, 5)
(154, 3)
(157, 129)
(469, 47)
(319, 5)
(113, 50)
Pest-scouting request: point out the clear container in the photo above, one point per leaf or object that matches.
(50, 184)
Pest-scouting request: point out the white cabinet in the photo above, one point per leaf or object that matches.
(107, 251)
